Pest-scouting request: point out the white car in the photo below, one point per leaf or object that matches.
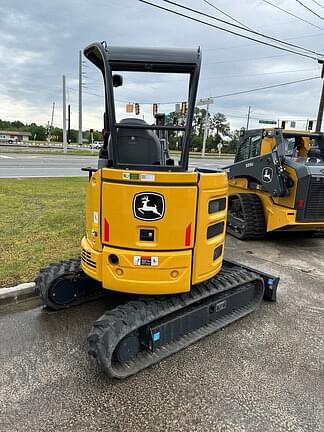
(96, 145)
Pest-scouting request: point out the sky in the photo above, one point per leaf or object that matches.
(40, 41)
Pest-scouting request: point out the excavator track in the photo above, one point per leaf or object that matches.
(140, 333)
(246, 217)
(64, 284)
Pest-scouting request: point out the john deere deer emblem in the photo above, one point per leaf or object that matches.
(148, 206)
(267, 174)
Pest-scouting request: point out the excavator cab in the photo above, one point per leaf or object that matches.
(155, 231)
(146, 233)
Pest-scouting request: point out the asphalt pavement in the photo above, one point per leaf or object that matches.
(262, 373)
(18, 165)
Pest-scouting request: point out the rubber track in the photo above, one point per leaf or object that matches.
(116, 324)
(69, 269)
(252, 210)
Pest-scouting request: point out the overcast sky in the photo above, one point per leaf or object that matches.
(40, 41)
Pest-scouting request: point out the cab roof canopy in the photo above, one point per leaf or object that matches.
(143, 59)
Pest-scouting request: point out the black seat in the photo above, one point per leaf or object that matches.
(314, 154)
(137, 146)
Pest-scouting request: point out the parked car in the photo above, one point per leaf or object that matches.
(96, 145)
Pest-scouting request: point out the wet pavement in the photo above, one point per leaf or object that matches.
(262, 373)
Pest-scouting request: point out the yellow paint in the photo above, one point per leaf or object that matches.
(276, 215)
(141, 279)
(279, 212)
(93, 231)
(211, 186)
(177, 265)
(180, 211)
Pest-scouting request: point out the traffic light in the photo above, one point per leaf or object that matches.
(137, 108)
(91, 131)
(310, 124)
(155, 109)
(160, 119)
(283, 124)
(129, 108)
(184, 107)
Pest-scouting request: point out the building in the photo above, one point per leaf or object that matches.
(13, 136)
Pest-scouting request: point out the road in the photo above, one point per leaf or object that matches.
(263, 373)
(13, 165)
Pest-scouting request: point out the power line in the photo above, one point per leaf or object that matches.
(226, 14)
(257, 74)
(240, 27)
(314, 1)
(264, 88)
(253, 44)
(291, 14)
(226, 30)
(229, 94)
(245, 59)
(309, 9)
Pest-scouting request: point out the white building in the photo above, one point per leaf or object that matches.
(13, 136)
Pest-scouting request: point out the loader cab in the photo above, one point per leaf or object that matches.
(304, 147)
(250, 144)
(132, 142)
(300, 146)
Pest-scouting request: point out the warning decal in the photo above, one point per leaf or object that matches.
(146, 260)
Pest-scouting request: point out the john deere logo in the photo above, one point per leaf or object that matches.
(267, 175)
(148, 206)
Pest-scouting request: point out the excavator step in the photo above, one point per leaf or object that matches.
(140, 333)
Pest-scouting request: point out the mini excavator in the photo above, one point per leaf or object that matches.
(155, 231)
(276, 183)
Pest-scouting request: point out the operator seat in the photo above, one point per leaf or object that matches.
(137, 146)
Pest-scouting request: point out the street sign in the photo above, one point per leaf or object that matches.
(268, 121)
(207, 101)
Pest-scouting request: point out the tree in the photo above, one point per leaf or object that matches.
(198, 121)
(38, 132)
(233, 143)
(219, 128)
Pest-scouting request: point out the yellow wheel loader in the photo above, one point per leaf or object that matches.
(276, 183)
(154, 230)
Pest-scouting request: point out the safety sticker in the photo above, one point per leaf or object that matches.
(145, 260)
(148, 177)
(156, 336)
(130, 176)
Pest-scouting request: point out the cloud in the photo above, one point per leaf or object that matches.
(40, 41)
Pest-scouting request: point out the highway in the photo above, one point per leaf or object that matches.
(18, 165)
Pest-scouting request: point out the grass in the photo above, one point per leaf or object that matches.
(41, 221)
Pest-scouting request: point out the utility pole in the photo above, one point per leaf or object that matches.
(206, 102)
(50, 126)
(321, 104)
(64, 116)
(248, 118)
(69, 125)
(80, 99)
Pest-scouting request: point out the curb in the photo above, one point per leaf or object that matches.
(18, 292)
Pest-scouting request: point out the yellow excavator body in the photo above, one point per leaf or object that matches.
(183, 243)
(155, 231)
